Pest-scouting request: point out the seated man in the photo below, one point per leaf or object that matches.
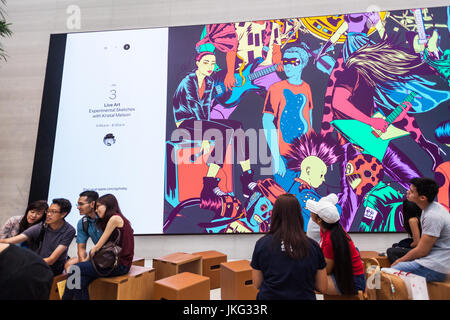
(50, 240)
(86, 227)
(431, 257)
(24, 276)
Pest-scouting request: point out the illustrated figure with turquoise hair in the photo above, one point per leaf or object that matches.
(287, 113)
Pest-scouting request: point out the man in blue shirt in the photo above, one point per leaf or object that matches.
(86, 227)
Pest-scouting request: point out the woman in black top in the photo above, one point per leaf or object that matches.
(286, 263)
(411, 222)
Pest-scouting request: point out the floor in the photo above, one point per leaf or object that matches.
(215, 293)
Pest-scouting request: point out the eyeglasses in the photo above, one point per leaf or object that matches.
(53, 211)
(295, 61)
(80, 204)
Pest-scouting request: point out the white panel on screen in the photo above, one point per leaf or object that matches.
(110, 130)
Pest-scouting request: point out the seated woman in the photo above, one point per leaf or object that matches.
(34, 214)
(109, 219)
(286, 263)
(411, 219)
(344, 266)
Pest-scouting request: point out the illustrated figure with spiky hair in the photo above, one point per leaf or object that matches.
(310, 156)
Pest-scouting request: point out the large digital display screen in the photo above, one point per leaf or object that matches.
(197, 129)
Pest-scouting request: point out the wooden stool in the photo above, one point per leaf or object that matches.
(382, 260)
(177, 263)
(137, 284)
(236, 281)
(367, 255)
(211, 265)
(54, 292)
(138, 262)
(439, 290)
(183, 286)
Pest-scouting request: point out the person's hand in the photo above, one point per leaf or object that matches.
(93, 251)
(230, 81)
(374, 17)
(379, 124)
(279, 167)
(280, 67)
(206, 147)
(407, 106)
(396, 262)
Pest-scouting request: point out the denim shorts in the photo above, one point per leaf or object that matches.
(416, 268)
(359, 282)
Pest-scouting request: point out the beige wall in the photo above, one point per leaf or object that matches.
(22, 78)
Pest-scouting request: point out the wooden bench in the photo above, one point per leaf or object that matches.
(439, 290)
(183, 286)
(236, 281)
(211, 266)
(137, 261)
(382, 260)
(54, 292)
(137, 284)
(177, 262)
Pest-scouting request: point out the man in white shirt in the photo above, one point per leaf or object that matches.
(431, 257)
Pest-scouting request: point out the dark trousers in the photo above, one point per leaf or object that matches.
(398, 250)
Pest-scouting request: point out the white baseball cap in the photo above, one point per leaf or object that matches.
(325, 208)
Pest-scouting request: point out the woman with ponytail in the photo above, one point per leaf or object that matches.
(344, 266)
(287, 265)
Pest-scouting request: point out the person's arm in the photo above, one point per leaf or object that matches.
(271, 134)
(426, 242)
(321, 281)
(257, 278)
(81, 252)
(113, 223)
(7, 228)
(341, 102)
(414, 226)
(330, 265)
(230, 80)
(55, 254)
(15, 240)
(277, 56)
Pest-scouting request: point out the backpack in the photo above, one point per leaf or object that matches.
(85, 223)
(36, 244)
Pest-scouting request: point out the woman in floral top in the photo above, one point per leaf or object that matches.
(35, 213)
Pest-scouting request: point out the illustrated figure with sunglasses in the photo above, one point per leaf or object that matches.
(287, 113)
(52, 239)
(86, 226)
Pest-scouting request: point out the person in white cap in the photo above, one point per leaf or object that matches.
(344, 266)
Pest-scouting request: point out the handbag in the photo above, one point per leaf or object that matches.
(107, 257)
(382, 285)
(415, 284)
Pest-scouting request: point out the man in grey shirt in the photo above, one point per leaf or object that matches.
(51, 239)
(431, 257)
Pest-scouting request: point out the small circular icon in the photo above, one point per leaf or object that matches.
(126, 46)
(109, 140)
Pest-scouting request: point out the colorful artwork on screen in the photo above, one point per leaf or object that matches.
(352, 104)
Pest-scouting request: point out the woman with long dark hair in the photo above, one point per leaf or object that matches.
(411, 222)
(343, 263)
(35, 213)
(113, 224)
(286, 263)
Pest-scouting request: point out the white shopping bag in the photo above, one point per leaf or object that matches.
(416, 285)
